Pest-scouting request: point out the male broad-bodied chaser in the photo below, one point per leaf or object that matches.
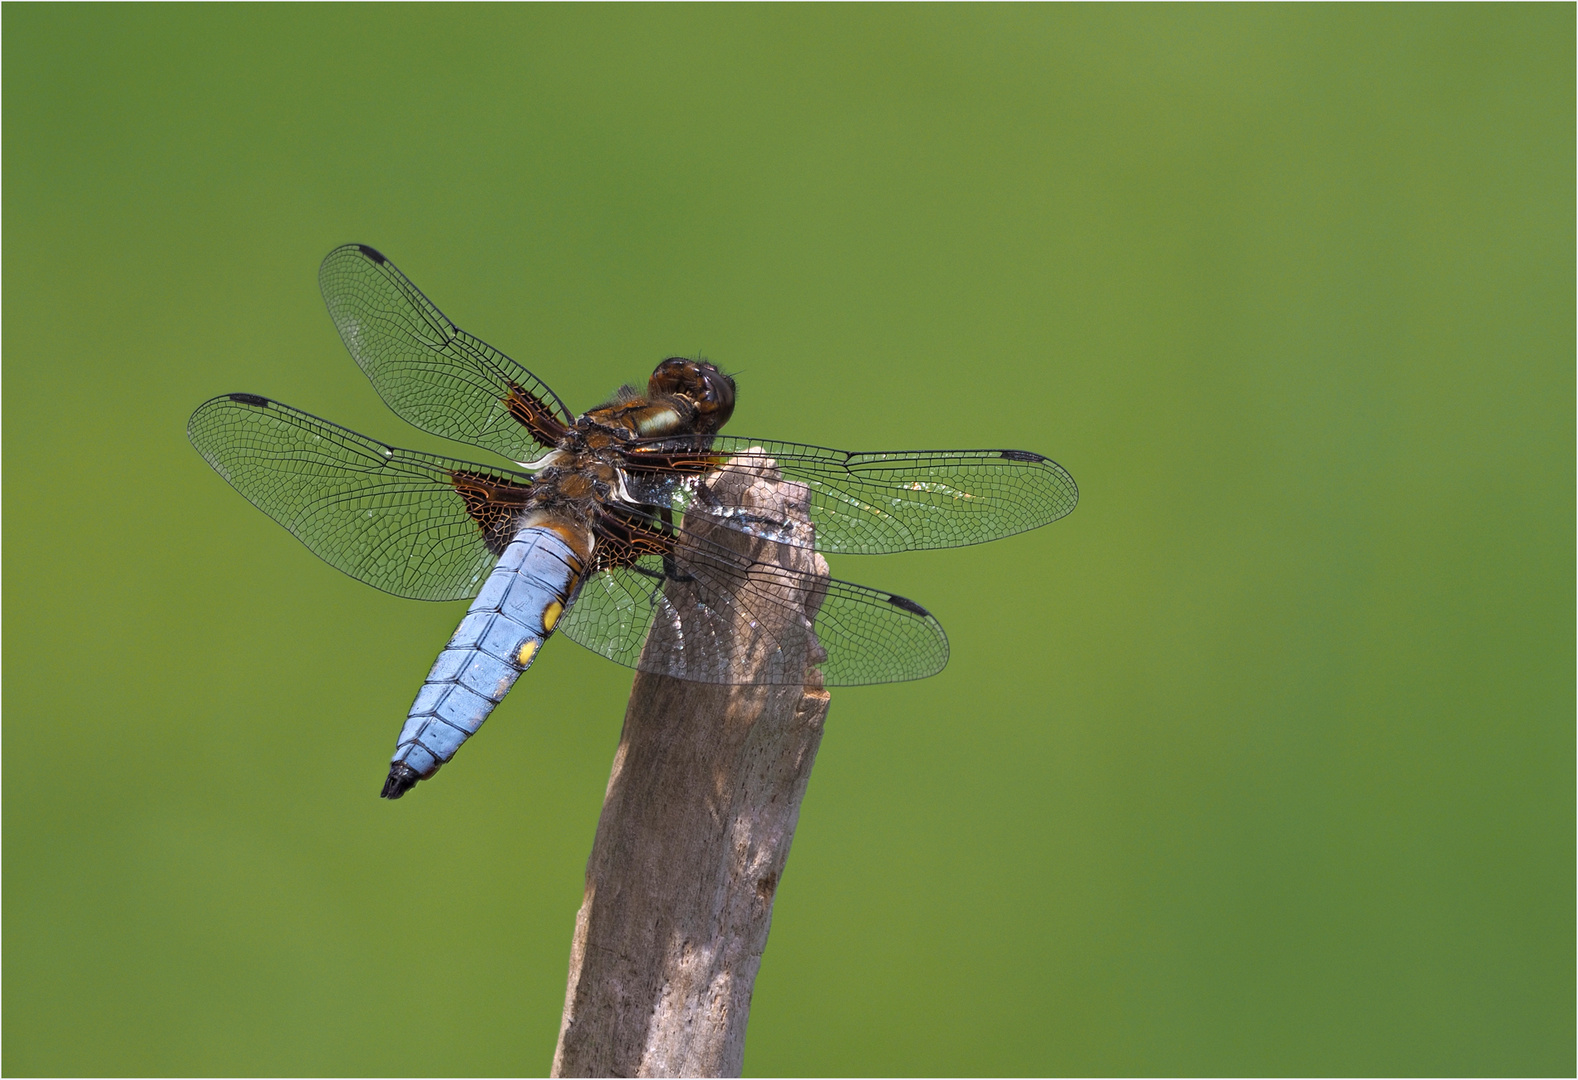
(604, 510)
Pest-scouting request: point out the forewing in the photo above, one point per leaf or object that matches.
(412, 524)
(429, 371)
(716, 616)
(868, 503)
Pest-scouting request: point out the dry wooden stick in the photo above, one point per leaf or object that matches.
(696, 826)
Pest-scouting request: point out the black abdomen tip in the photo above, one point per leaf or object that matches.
(402, 778)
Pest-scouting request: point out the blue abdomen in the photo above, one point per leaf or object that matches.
(511, 617)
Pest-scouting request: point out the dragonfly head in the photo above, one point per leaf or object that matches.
(700, 383)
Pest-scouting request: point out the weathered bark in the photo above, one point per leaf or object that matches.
(696, 826)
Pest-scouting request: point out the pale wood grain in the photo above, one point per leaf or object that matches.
(696, 825)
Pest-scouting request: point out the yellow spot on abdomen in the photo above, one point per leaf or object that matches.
(550, 615)
(528, 651)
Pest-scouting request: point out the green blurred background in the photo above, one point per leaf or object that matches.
(1261, 762)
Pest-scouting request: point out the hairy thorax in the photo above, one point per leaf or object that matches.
(580, 491)
(583, 478)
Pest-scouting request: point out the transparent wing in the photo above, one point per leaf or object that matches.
(708, 613)
(429, 371)
(867, 503)
(412, 524)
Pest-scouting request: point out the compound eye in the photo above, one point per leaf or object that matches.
(710, 389)
(718, 399)
(672, 375)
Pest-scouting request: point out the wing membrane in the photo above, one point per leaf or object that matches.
(392, 518)
(400, 521)
(712, 614)
(869, 503)
(429, 371)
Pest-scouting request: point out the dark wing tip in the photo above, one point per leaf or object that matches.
(906, 604)
(256, 400)
(372, 253)
(402, 778)
(1026, 457)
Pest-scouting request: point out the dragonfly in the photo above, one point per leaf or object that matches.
(606, 527)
